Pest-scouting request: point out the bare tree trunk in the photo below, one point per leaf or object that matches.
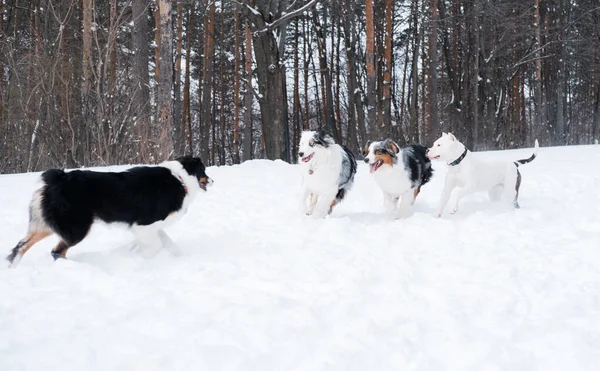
(387, 72)
(305, 66)
(538, 67)
(165, 81)
(371, 75)
(186, 122)
(433, 80)
(330, 123)
(87, 46)
(209, 55)
(296, 109)
(236, 87)
(178, 143)
(414, 101)
(141, 90)
(248, 152)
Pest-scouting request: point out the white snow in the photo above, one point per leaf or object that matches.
(259, 287)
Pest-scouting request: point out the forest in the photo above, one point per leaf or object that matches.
(95, 83)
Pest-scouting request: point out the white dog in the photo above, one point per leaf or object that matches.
(472, 175)
(327, 172)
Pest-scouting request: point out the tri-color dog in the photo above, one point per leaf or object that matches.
(145, 198)
(399, 172)
(471, 175)
(328, 171)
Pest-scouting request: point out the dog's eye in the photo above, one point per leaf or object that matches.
(438, 145)
(311, 143)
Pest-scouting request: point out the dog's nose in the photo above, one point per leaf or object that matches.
(366, 160)
(301, 154)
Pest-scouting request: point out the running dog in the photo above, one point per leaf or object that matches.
(328, 171)
(145, 198)
(399, 172)
(473, 175)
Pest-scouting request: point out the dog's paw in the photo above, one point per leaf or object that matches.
(453, 211)
(437, 214)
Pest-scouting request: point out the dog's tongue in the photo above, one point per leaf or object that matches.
(373, 168)
(307, 158)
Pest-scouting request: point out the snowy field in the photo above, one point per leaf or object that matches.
(260, 287)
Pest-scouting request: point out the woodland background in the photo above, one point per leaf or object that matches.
(86, 82)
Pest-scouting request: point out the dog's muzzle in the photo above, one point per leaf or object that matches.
(205, 182)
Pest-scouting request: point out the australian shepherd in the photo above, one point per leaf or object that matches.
(145, 198)
(328, 171)
(399, 172)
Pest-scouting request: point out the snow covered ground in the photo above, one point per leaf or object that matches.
(260, 287)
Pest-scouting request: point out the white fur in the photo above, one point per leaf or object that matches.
(394, 182)
(322, 184)
(471, 174)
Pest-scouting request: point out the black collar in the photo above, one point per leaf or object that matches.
(458, 160)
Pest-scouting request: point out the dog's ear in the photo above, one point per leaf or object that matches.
(444, 134)
(366, 149)
(452, 137)
(323, 138)
(391, 145)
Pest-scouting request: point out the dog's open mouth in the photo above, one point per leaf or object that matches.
(203, 186)
(376, 165)
(308, 158)
(433, 157)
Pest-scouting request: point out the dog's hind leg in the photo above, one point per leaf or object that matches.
(37, 230)
(416, 193)
(25, 244)
(517, 186)
(338, 198)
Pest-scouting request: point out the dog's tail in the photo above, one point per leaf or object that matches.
(527, 160)
(53, 176)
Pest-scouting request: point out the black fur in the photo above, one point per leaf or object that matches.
(323, 138)
(524, 161)
(417, 164)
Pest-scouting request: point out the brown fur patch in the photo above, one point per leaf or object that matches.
(331, 205)
(33, 238)
(385, 157)
(204, 179)
(417, 191)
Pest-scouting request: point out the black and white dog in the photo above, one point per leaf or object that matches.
(399, 172)
(328, 171)
(145, 198)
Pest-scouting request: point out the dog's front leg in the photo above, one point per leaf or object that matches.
(313, 202)
(302, 204)
(405, 205)
(462, 192)
(148, 239)
(168, 243)
(389, 202)
(448, 187)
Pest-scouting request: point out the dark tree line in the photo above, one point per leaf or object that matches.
(86, 83)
